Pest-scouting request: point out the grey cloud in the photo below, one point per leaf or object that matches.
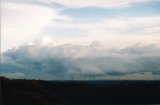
(82, 61)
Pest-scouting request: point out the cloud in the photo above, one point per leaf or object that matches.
(95, 60)
(21, 20)
(95, 3)
(24, 20)
(114, 30)
(47, 59)
(115, 24)
(16, 75)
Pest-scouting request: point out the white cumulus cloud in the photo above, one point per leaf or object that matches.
(21, 21)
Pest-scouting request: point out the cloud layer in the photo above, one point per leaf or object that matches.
(92, 61)
(114, 31)
(24, 20)
(95, 3)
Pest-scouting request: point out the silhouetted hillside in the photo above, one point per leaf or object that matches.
(37, 92)
(28, 92)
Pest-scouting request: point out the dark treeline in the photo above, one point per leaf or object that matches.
(38, 92)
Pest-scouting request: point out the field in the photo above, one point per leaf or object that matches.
(112, 92)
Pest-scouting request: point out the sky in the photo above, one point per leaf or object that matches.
(84, 39)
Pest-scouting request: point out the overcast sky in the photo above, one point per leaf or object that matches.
(90, 39)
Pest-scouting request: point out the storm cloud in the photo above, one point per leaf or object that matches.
(92, 61)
